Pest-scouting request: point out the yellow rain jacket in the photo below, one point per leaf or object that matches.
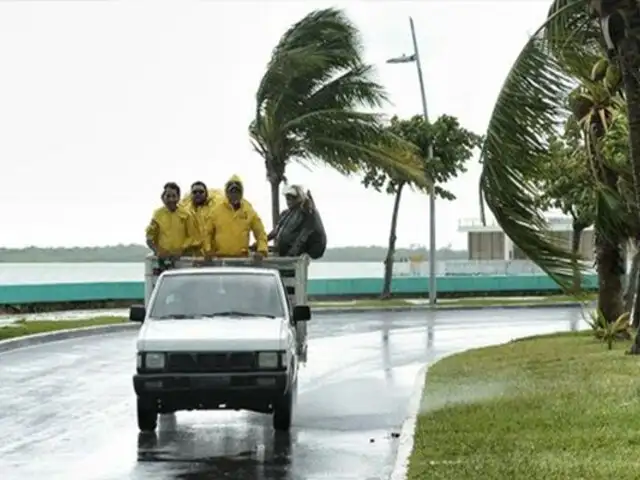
(172, 232)
(201, 217)
(229, 228)
(215, 194)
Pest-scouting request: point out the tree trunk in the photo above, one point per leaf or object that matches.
(629, 55)
(631, 283)
(576, 236)
(275, 176)
(609, 278)
(275, 200)
(388, 262)
(632, 298)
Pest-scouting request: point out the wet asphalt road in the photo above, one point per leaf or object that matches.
(67, 408)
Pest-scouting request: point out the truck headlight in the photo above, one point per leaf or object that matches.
(270, 359)
(139, 361)
(154, 361)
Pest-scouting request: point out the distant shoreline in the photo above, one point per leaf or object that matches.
(137, 253)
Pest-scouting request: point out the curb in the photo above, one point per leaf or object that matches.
(406, 440)
(421, 308)
(47, 337)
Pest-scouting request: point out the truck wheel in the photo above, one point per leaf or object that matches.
(283, 410)
(147, 415)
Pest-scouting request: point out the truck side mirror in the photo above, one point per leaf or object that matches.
(137, 313)
(301, 313)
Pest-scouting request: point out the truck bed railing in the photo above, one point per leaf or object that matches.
(293, 270)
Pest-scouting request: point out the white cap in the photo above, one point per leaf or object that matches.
(290, 190)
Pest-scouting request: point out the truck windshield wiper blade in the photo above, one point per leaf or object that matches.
(174, 316)
(235, 313)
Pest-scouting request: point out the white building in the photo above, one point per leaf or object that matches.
(488, 242)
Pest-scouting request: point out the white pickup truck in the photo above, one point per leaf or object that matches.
(225, 335)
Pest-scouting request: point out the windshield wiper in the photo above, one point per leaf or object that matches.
(235, 313)
(175, 316)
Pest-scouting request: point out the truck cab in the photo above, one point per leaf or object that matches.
(218, 337)
(293, 273)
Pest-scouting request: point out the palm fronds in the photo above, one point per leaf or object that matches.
(530, 109)
(314, 104)
(573, 36)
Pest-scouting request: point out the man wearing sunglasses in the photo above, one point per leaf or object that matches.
(200, 205)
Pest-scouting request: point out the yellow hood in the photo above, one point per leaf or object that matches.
(234, 179)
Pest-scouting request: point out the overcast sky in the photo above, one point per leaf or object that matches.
(101, 102)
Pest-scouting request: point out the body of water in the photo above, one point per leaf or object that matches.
(29, 273)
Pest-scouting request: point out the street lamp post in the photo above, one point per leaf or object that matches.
(432, 194)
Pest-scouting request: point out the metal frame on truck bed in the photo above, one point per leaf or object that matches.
(294, 272)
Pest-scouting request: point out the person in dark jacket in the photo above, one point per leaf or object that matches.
(300, 229)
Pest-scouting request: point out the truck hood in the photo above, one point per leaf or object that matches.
(212, 334)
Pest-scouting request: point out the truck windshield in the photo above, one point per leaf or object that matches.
(207, 295)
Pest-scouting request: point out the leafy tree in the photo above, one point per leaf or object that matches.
(314, 104)
(452, 147)
(567, 184)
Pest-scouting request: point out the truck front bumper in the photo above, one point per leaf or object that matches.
(252, 391)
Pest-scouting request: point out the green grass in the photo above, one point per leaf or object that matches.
(373, 303)
(497, 301)
(453, 302)
(23, 328)
(551, 408)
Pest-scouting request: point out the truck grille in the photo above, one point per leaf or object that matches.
(211, 362)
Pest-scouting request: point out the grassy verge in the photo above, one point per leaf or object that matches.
(373, 303)
(497, 301)
(22, 328)
(449, 303)
(550, 407)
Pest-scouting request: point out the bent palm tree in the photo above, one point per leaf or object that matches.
(532, 105)
(310, 105)
(594, 108)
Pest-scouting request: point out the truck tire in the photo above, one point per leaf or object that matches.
(147, 415)
(283, 410)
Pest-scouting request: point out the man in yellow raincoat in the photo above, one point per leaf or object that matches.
(172, 229)
(231, 221)
(199, 203)
(214, 194)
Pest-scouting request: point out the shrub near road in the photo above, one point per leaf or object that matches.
(553, 407)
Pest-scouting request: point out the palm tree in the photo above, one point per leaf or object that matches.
(311, 104)
(620, 24)
(553, 77)
(594, 105)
